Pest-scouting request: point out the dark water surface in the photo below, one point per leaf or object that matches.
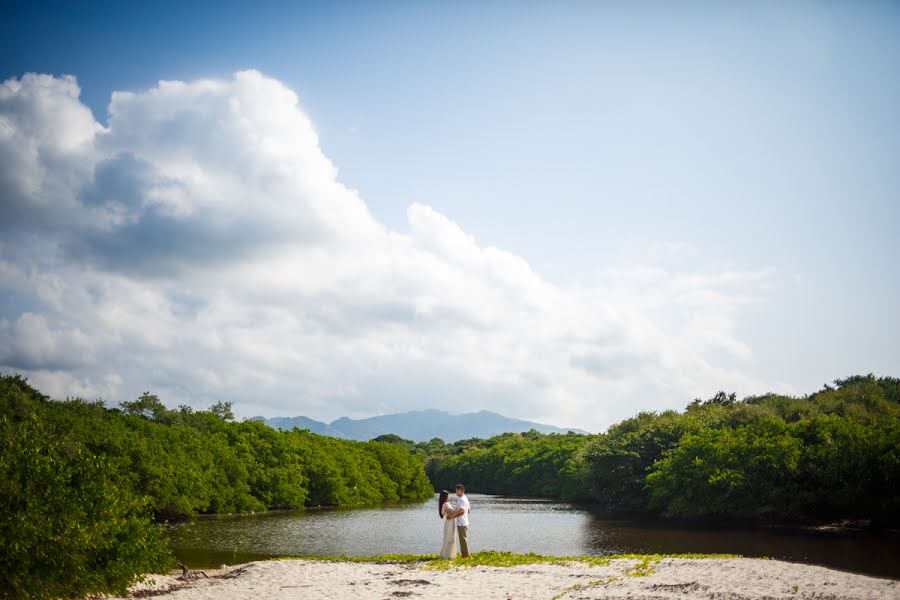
(513, 524)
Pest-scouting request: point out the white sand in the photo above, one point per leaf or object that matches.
(719, 579)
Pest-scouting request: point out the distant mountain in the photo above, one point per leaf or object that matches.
(419, 426)
(304, 423)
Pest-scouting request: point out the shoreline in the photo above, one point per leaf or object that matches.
(846, 526)
(504, 576)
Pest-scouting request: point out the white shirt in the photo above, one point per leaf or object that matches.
(463, 519)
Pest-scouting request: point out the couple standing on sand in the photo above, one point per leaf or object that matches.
(456, 519)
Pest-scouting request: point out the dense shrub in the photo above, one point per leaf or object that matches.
(67, 526)
(528, 464)
(834, 454)
(82, 486)
(743, 473)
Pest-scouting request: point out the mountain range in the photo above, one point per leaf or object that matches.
(418, 426)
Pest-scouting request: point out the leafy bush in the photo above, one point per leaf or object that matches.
(81, 484)
(528, 464)
(742, 473)
(67, 527)
(834, 454)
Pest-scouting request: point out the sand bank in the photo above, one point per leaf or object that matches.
(719, 579)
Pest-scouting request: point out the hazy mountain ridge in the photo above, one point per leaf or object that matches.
(418, 426)
(319, 427)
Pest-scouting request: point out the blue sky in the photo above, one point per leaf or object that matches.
(598, 142)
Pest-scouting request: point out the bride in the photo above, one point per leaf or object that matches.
(448, 513)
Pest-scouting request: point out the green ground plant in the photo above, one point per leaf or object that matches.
(500, 559)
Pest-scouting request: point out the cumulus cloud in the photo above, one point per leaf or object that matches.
(30, 344)
(202, 246)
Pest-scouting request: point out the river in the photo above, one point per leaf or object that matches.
(513, 524)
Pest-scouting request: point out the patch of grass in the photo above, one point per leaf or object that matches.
(584, 586)
(493, 558)
(381, 558)
(643, 568)
(659, 557)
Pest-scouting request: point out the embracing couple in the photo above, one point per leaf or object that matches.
(456, 519)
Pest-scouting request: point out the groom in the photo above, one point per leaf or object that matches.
(462, 519)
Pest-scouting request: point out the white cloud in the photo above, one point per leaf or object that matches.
(201, 246)
(29, 343)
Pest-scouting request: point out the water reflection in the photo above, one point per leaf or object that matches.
(513, 524)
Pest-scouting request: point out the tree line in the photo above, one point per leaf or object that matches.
(84, 488)
(834, 454)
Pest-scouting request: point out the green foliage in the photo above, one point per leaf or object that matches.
(68, 525)
(528, 464)
(747, 472)
(81, 484)
(380, 558)
(493, 558)
(832, 455)
(850, 467)
(617, 462)
(188, 462)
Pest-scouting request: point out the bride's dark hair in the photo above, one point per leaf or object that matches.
(443, 498)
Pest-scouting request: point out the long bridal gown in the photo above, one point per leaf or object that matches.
(448, 550)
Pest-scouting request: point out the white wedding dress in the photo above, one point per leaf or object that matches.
(448, 550)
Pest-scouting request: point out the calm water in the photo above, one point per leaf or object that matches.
(514, 524)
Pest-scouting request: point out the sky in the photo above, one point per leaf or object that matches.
(566, 212)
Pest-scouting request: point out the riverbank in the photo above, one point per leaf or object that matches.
(648, 577)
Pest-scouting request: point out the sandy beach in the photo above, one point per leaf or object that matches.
(720, 579)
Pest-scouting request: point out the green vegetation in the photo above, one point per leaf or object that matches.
(68, 526)
(82, 487)
(834, 454)
(493, 558)
(379, 558)
(580, 587)
(532, 463)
